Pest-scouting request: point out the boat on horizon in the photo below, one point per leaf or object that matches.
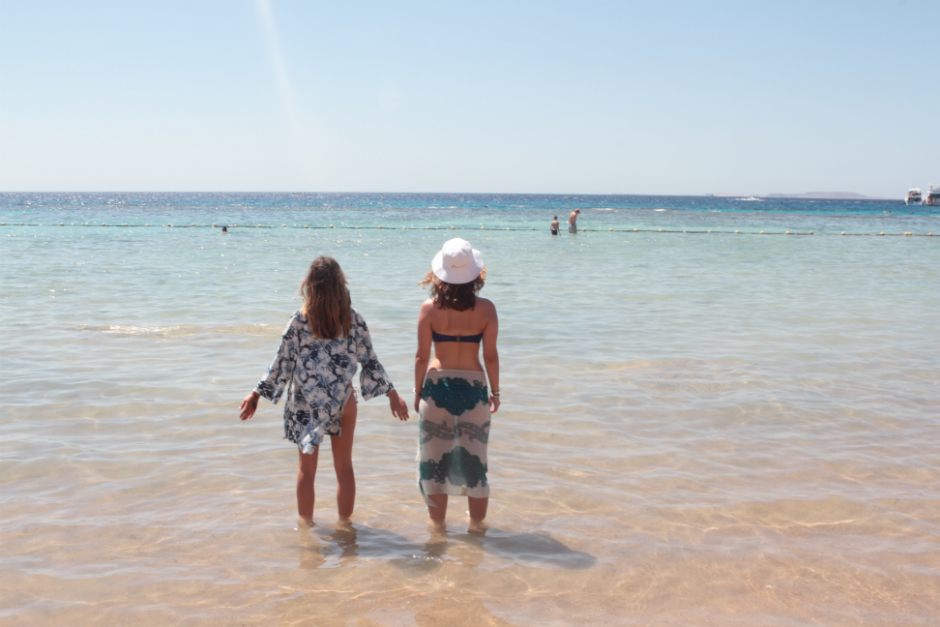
(932, 197)
(913, 196)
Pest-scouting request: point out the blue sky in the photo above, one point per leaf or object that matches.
(528, 97)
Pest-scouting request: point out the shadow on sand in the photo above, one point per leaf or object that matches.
(338, 547)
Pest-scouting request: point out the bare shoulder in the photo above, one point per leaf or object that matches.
(486, 307)
(427, 308)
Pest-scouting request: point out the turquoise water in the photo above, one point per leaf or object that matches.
(736, 429)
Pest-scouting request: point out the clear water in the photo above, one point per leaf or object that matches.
(696, 428)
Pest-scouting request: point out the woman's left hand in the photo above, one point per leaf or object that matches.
(398, 405)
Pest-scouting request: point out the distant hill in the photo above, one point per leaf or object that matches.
(826, 195)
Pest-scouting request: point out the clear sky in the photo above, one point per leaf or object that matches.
(444, 96)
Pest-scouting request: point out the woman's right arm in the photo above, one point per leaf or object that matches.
(279, 372)
(423, 354)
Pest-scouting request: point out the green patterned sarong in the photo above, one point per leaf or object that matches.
(454, 431)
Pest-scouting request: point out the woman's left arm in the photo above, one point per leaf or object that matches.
(423, 353)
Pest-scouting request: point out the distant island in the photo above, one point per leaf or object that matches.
(827, 195)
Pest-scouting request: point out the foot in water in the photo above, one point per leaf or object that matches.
(477, 527)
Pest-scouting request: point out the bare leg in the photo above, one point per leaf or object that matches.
(439, 513)
(342, 461)
(305, 492)
(477, 513)
(478, 507)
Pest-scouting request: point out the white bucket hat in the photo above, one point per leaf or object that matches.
(457, 262)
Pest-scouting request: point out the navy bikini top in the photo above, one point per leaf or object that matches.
(474, 339)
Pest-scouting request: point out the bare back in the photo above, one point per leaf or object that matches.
(455, 355)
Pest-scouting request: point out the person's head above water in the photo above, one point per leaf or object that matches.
(457, 274)
(327, 303)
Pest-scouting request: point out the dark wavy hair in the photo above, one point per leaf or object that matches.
(459, 297)
(327, 304)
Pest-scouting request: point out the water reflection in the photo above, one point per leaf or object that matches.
(341, 546)
(535, 549)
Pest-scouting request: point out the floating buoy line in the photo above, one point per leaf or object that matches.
(452, 228)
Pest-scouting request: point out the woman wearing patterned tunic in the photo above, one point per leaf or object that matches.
(315, 364)
(451, 394)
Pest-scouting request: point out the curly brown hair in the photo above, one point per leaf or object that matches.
(459, 297)
(327, 303)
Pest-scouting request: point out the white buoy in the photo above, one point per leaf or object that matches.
(882, 232)
(709, 230)
(283, 226)
(306, 227)
(259, 226)
(427, 228)
(380, 226)
(452, 228)
(357, 227)
(63, 224)
(169, 225)
(331, 226)
(761, 232)
(508, 229)
(685, 231)
(213, 224)
(843, 232)
(810, 232)
(660, 230)
(737, 231)
(788, 232)
(610, 229)
(482, 228)
(103, 224)
(404, 228)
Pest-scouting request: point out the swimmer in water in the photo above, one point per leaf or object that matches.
(554, 226)
(573, 221)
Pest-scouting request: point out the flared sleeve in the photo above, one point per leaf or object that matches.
(282, 368)
(373, 380)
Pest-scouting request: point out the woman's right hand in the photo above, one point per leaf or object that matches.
(417, 403)
(249, 405)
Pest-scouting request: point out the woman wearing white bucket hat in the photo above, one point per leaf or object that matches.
(451, 394)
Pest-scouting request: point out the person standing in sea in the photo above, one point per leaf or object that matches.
(554, 225)
(315, 365)
(573, 221)
(451, 394)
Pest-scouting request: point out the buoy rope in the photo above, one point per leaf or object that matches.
(452, 228)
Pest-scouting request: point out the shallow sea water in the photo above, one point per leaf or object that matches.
(703, 429)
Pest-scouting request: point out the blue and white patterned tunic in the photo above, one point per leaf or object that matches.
(323, 372)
